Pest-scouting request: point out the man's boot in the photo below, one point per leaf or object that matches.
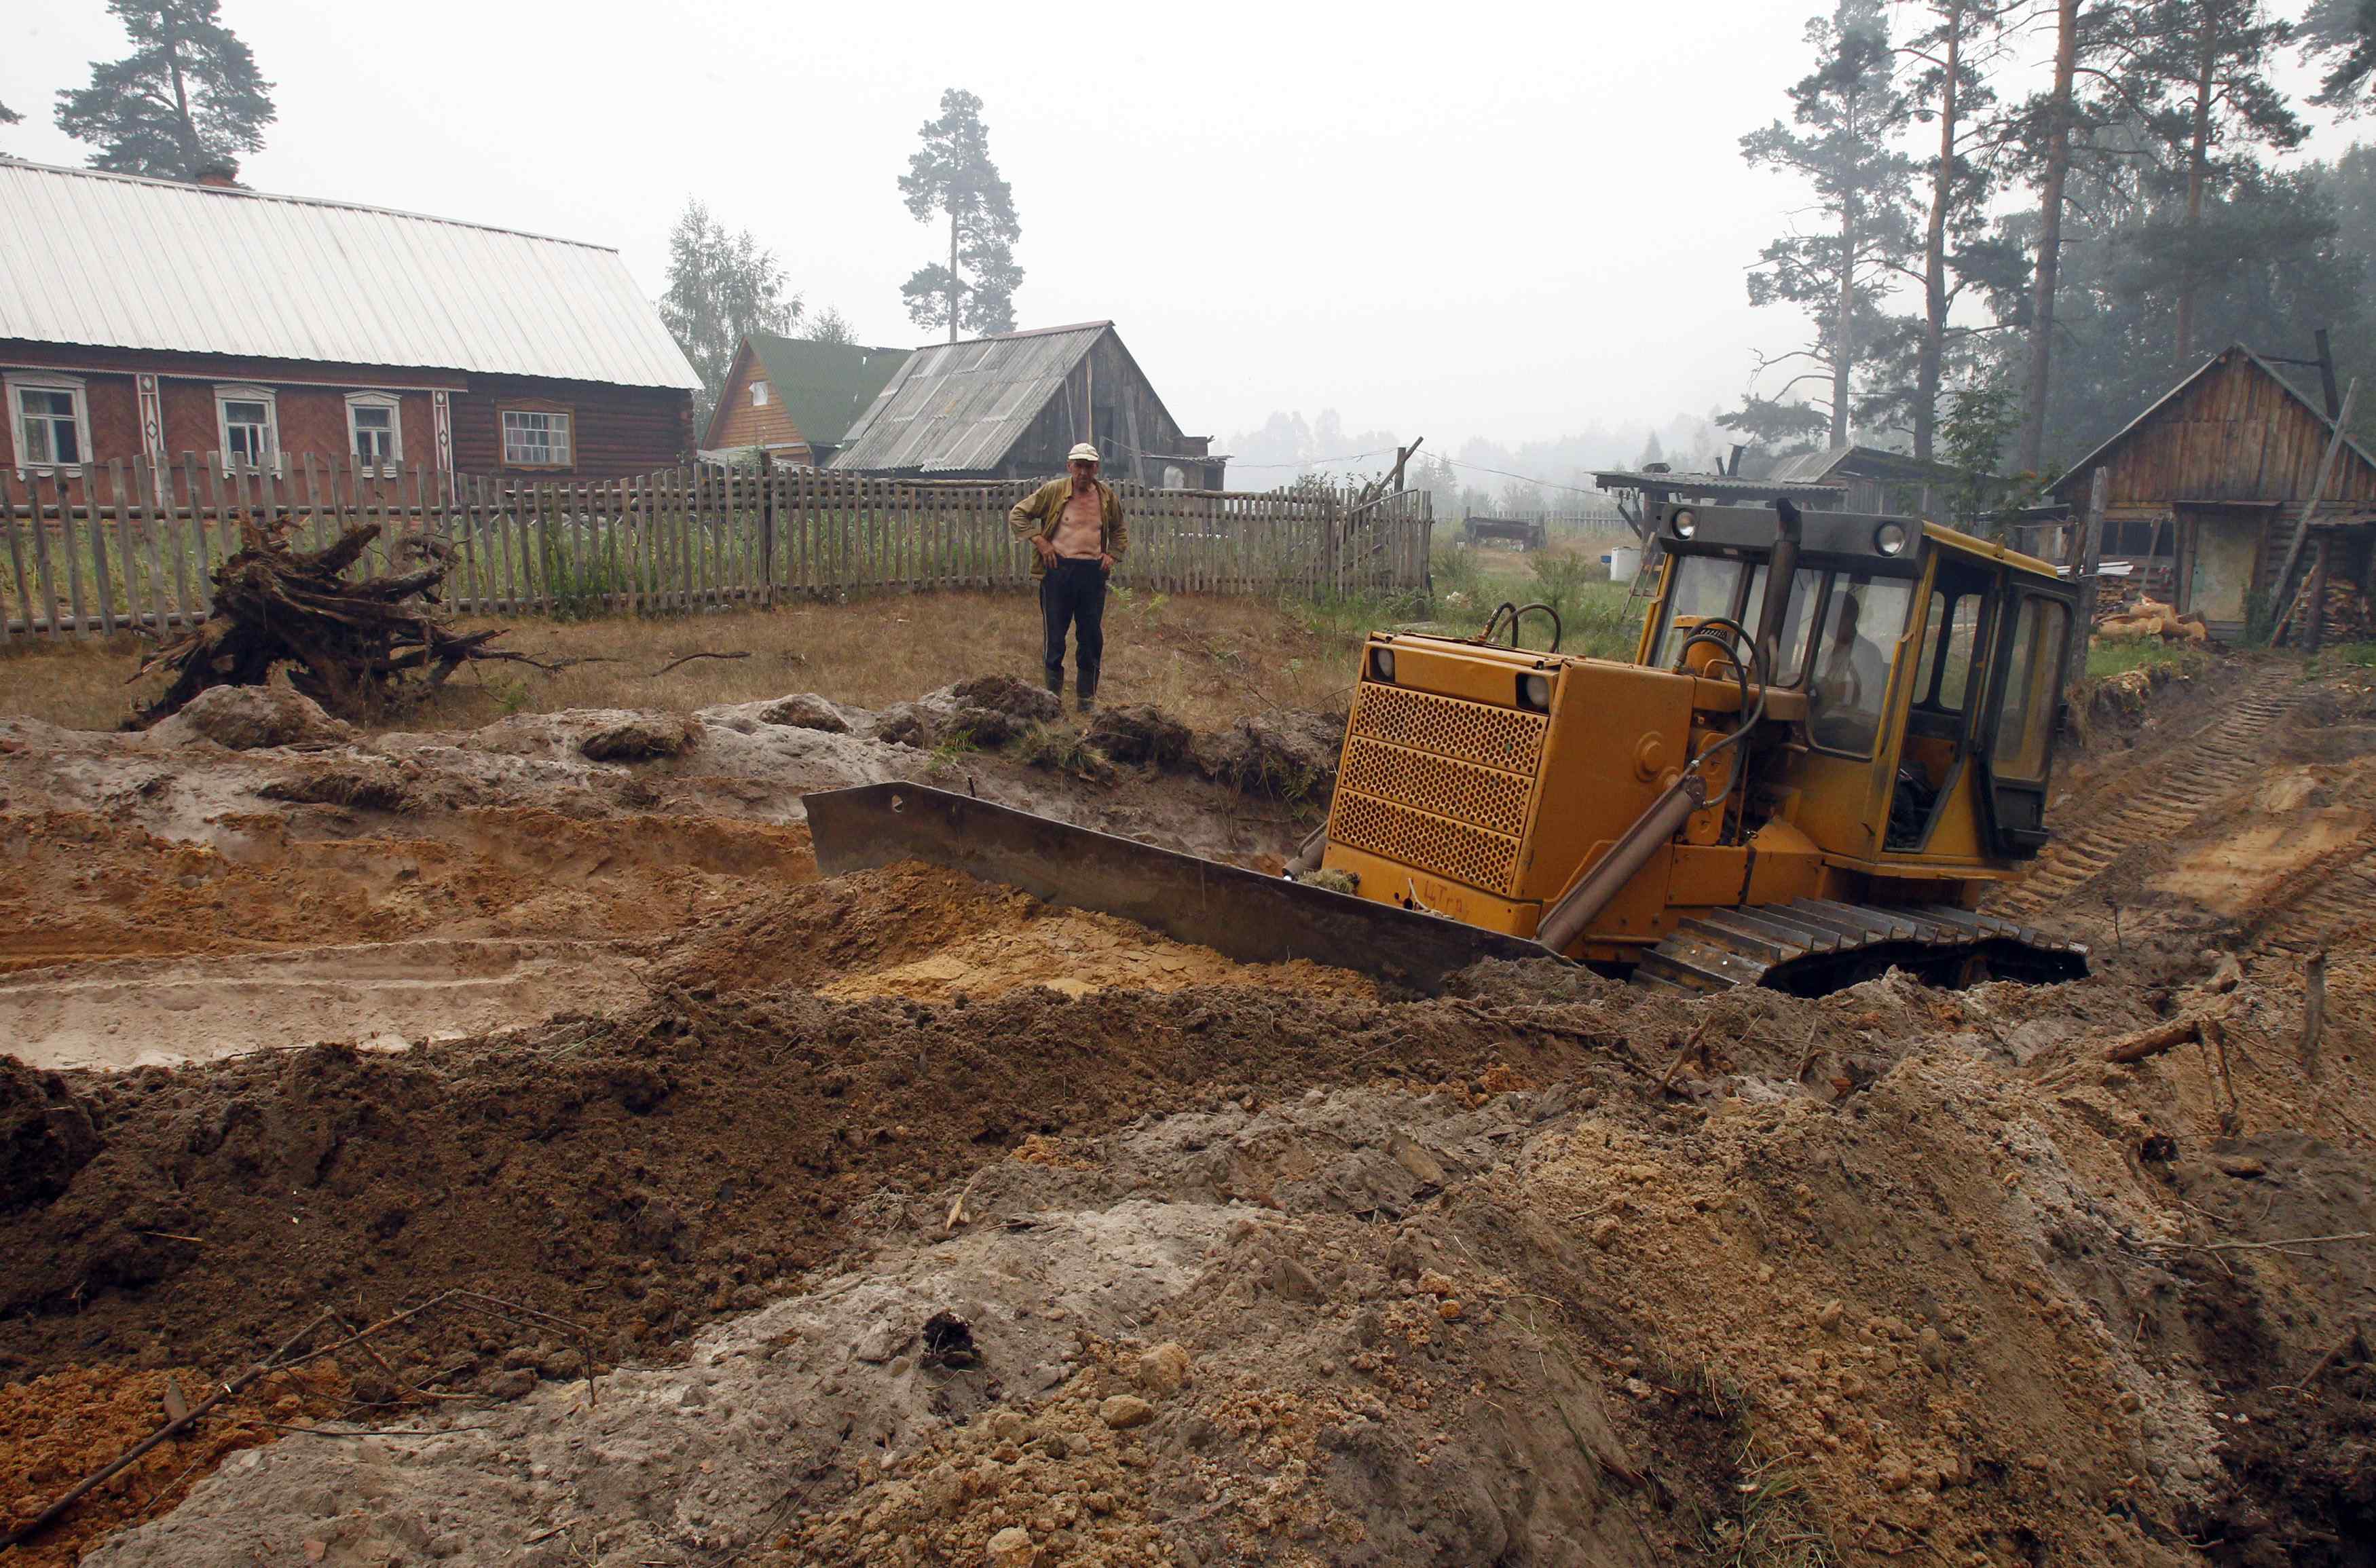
(1088, 699)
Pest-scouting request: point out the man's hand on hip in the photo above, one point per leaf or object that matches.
(1105, 564)
(1047, 550)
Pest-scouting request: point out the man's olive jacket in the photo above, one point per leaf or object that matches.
(1037, 515)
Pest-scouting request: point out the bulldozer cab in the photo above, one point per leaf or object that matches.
(1930, 662)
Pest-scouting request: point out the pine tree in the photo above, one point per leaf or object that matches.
(8, 116)
(2051, 119)
(1850, 111)
(1957, 251)
(2341, 34)
(722, 288)
(952, 174)
(188, 98)
(2196, 72)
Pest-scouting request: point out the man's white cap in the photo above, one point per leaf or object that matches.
(1083, 453)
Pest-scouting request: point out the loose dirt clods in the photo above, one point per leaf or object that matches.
(910, 1221)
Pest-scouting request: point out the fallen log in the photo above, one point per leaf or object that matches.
(2155, 1040)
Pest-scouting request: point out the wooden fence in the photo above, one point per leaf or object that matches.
(99, 549)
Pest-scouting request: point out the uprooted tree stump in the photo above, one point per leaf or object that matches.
(359, 645)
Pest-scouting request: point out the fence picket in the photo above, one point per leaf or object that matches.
(15, 554)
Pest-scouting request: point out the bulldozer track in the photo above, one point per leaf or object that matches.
(2337, 901)
(2225, 752)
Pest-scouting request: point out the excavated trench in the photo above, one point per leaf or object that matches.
(901, 1218)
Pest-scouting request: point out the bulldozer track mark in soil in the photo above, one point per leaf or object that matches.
(2335, 903)
(2226, 752)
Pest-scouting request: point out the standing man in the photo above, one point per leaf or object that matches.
(1075, 532)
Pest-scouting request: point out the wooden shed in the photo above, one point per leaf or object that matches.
(1010, 406)
(2206, 490)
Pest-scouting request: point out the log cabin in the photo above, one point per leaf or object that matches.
(144, 317)
(2206, 488)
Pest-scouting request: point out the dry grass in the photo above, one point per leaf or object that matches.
(1207, 660)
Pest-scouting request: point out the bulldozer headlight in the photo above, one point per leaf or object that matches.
(1382, 664)
(1687, 523)
(1535, 692)
(1890, 538)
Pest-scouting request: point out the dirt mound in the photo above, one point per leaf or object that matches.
(1145, 737)
(245, 718)
(45, 1136)
(930, 934)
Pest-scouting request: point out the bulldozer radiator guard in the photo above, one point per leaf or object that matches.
(1242, 914)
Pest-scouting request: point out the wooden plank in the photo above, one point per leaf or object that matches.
(69, 535)
(41, 555)
(145, 526)
(127, 550)
(10, 524)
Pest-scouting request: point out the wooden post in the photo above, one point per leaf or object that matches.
(2318, 492)
(2315, 612)
(2313, 1009)
(2086, 561)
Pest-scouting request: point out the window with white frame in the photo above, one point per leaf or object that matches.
(536, 438)
(758, 394)
(376, 429)
(50, 421)
(247, 420)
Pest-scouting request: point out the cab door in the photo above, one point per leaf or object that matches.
(2025, 706)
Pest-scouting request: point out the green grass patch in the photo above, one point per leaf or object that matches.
(2117, 656)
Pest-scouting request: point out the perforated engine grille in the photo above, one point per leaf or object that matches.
(1483, 797)
(1438, 784)
(1497, 737)
(1431, 843)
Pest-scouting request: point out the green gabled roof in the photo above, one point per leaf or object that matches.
(824, 386)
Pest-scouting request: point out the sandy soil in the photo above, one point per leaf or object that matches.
(882, 1254)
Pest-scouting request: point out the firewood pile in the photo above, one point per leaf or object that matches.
(358, 644)
(2346, 619)
(2149, 617)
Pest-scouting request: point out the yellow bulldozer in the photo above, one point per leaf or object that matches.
(1833, 739)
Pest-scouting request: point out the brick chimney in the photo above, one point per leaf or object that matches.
(221, 175)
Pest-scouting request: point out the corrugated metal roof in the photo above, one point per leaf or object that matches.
(116, 261)
(958, 407)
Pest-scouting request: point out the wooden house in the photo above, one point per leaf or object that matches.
(150, 318)
(796, 399)
(1010, 406)
(2205, 492)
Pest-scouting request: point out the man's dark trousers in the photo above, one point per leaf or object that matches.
(1073, 594)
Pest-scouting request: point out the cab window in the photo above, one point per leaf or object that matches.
(2025, 727)
(1947, 646)
(1699, 587)
(1863, 617)
(1790, 649)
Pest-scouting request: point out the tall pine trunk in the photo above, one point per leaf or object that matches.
(186, 129)
(954, 287)
(1928, 362)
(2050, 235)
(2197, 171)
(1844, 317)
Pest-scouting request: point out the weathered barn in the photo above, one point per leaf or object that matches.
(797, 399)
(2206, 490)
(1010, 406)
(149, 318)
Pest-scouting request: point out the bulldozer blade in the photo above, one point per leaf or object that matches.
(1242, 914)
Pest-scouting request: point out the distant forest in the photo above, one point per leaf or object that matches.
(2010, 227)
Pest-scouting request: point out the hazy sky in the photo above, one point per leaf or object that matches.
(1450, 221)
